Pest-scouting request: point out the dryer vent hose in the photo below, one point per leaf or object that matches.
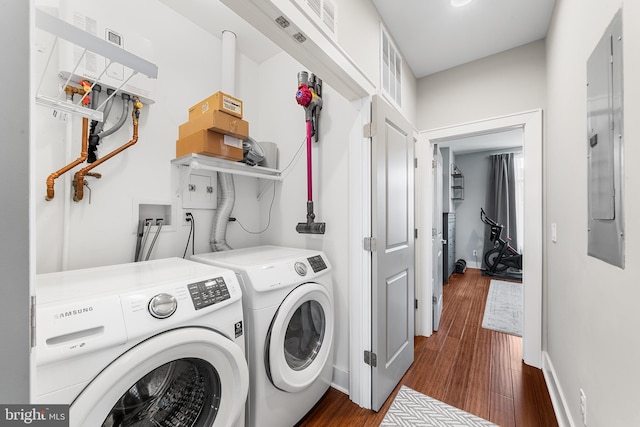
(218, 239)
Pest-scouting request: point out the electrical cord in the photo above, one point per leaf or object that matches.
(269, 218)
(284, 172)
(192, 231)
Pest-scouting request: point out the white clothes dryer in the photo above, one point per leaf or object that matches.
(151, 343)
(289, 312)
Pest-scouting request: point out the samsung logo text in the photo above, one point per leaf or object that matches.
(72, 313)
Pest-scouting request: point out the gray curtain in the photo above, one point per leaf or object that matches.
(501, 197)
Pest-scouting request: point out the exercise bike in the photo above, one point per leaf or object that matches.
(502, 255)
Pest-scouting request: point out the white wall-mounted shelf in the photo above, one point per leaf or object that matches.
(89, 42)
(198, 161)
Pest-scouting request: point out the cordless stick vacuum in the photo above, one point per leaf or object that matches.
(309, 95)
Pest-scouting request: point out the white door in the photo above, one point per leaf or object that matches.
(436, 236)
(300, 338)
(393, 258)
(189, 376)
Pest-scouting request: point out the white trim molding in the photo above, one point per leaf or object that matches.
(531, 123)
(558, 400)
(359, 259)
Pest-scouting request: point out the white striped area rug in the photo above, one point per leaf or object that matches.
(411, 408)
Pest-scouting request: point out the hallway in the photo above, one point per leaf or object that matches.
(475, 369)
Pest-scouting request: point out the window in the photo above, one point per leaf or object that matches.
(391, 69)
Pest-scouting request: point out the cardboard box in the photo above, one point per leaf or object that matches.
(210, 143)
(218, 101)
(216, 121)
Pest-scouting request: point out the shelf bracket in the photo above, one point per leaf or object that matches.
(184, 178)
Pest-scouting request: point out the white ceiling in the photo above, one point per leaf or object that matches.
(433, 36)
(214, 17)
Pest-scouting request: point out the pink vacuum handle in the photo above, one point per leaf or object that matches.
(309, 175)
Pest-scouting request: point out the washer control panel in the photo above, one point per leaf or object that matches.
(317, 263)
(208, 292)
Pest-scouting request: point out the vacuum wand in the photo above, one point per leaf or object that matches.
(309, 96)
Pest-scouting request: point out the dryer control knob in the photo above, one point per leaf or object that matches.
(162, 306)
(300, 268)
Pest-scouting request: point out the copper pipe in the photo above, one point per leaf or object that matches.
(83, 156)
(78, 179)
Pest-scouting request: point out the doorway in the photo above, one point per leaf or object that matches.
(531, 124)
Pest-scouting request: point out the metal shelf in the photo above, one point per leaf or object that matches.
(89, 42)
(457, 184)
(198, 161)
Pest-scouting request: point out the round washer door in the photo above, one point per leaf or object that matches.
(190, 377)
(300, 338)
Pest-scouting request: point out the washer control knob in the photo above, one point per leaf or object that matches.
(162, 306)
(300, 268)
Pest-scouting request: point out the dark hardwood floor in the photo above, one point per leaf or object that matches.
(464, 365)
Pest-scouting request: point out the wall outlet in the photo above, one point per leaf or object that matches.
(186, 218)
(583, 406)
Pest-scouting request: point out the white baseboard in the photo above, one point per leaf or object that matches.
(474, 264)
(340, 380)
(558, 400)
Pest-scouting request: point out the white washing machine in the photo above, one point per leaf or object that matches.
(152, 343)
(289, 312)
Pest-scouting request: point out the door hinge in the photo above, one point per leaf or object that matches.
(434, 299)
(433, 164)
(415, 163)
(370, 358)
(416, 303)
(415, 233)
(369, 130)
(370, 244)
(32, 321)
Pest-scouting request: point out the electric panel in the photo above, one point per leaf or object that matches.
(604, 145)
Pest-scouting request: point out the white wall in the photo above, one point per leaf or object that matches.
(102, 229)
(282, 121)
(470, 230)
(359, 36)
(591, 307)
(506, 83)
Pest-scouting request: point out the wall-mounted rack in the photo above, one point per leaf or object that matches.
(457, 183)
(200, 162)
(90, 43)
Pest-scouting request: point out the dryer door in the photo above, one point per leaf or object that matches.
(300, 338)
(188, 377)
